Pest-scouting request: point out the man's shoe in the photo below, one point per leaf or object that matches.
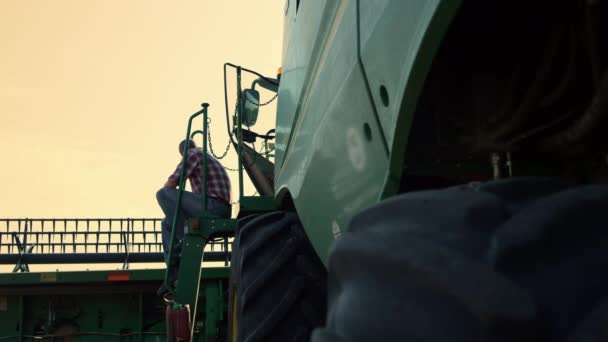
(163, 289)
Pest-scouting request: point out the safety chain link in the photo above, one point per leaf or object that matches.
(262, 149)
(211, 144)
(232, 134)
(229, 138)
(229, 169)
(261, 104)
(227, 146)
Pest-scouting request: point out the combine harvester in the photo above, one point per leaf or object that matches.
(436, 175)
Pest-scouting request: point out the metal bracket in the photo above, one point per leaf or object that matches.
(214, 226)
(501, 169)
(23, 250)
(125, 264)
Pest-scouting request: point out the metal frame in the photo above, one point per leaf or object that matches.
(88, 240)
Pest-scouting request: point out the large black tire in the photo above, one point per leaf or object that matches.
(278, 285)
(233, 283)
(511, 260)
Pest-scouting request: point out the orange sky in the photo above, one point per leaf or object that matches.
(95, 96)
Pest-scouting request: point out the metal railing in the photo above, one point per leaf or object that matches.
(90, 240)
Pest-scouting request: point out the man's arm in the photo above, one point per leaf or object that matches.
(171, 184)
(173, 180)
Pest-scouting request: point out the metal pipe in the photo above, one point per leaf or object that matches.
(180, 192)
(588, 122)
(495, 160)
(99, 258)
(534, 89)
(204, 167)
(240, 131)
(204, 171)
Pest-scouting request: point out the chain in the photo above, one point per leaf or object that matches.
(211, 145)
(232, 134)
(230, 169)
(227, 146)
(261, 104)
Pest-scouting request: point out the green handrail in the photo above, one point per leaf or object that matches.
(204, 212)
(181, 186)
(239, 130)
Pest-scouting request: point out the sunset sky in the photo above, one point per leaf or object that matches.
(95, 96)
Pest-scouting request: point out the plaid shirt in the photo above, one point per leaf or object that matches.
(218, 183)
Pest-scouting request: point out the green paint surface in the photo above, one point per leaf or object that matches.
(352, 73)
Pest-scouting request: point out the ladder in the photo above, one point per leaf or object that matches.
(183, 294)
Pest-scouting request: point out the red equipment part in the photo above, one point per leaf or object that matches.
(178, 323)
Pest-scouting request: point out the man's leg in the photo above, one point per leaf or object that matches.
(219, 208)
(190, 206)
(167, 199)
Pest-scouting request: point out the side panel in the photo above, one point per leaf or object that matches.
(391, 32)
(289, 88)
(302, 29)
(336, 159)
(398, 41)
(86, 304)
(345, 146)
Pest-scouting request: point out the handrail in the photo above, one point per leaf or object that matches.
(182, 183)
